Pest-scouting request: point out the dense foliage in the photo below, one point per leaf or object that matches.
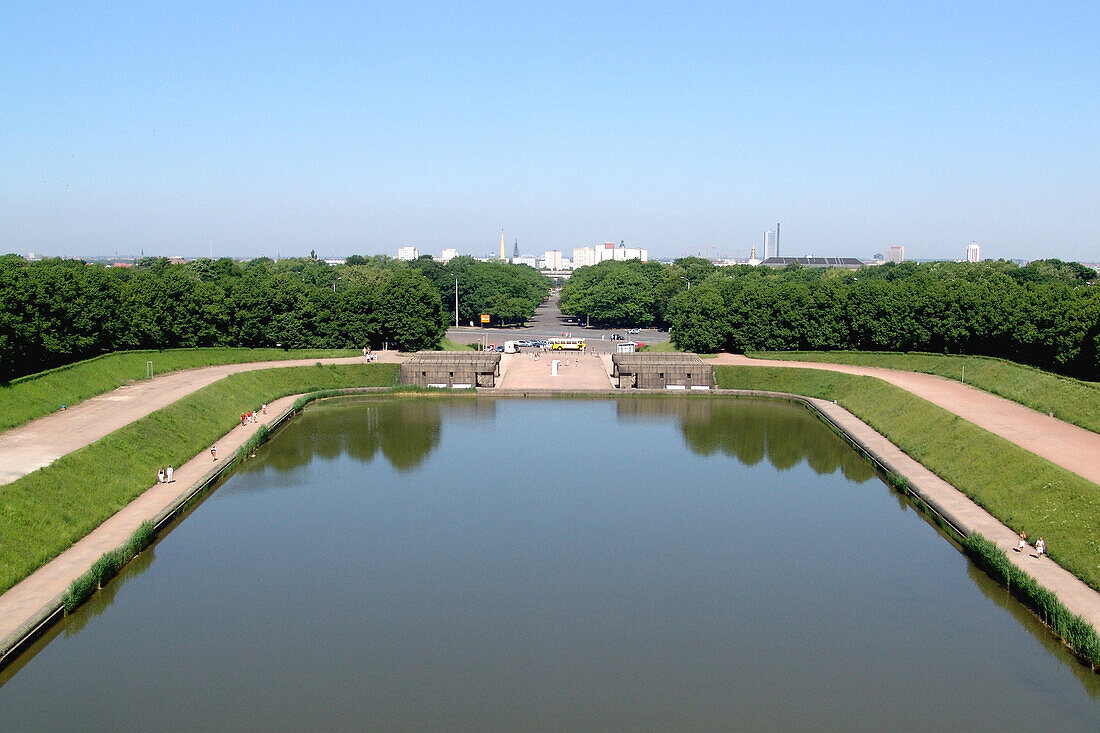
(54, 312)
(1046, 313)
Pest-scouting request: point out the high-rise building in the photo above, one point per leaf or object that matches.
(895, 254)
(973, 252)
(407, 253)
(771, 243)
(448, 254)
(551, 259)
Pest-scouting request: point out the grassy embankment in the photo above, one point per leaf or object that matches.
(1077, 633)
(44, 512)
(1072, 400)
(447, 344)
(35, 395)
(1019, 488)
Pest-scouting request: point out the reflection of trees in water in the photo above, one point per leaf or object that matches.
(753, 430)
(404, 431)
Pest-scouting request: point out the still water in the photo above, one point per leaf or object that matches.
(470, 564)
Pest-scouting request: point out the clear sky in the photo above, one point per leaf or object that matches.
(277, 128)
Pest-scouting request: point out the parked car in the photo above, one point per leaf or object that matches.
(634, 331)
(617, 337)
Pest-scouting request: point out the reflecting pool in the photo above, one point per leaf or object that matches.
(660, 563)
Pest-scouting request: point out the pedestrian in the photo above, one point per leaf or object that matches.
(265, 408)
(168, 474)
(242, 418)
(1023, 541)
(214, 452)
(160, 476)
(1040, 547)
(365, 359)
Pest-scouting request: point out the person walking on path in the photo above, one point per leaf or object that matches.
(214, 452)
(1040, 547)
(160, 476)
(168, 474)
(1023, 541)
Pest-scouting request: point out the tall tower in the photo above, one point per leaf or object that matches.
(515, 251)
(502, 243)
(973, 252)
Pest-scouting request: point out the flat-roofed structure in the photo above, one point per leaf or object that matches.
(451, 369)
(661, 371)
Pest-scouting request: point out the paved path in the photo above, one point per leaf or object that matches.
(42, 441)
(965, 515)
(1071, 447)
(578, 372)
(36, 596)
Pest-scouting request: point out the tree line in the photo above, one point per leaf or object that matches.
(1046, 313)
(54, 312)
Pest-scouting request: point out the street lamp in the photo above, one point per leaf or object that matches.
(456, 301)
(334, 283)
(684, 278)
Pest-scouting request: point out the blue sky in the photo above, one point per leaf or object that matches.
(277, 128)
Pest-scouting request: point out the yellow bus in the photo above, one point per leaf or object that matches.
(566, 344)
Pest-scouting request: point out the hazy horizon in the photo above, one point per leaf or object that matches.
(352, 129)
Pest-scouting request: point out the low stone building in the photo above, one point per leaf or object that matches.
(661, 371)
(451, 369)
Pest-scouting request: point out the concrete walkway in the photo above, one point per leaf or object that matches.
(1071, 447)
(584, 372)
(964, 514)
(35, 599)
(42, 441)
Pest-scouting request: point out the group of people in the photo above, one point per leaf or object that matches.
(368, 355)
(164, 475)
(1040, 545)
(250, 416)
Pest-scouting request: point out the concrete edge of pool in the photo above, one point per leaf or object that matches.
(30, 607)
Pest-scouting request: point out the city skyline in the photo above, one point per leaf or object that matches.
(356, 130)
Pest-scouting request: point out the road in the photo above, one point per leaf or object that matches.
(549, 322)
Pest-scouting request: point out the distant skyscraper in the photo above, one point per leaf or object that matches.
(973, 252)
(771, 243)
(449, 254)
(407, 253)
(895, 254)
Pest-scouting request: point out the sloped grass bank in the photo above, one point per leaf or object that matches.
(46, 511)
(1071, 400)
(1023, 491)
(35, 395)
(1077, 633)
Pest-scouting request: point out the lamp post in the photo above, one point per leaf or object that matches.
(456, 301)
(684, 278)
(334, 283)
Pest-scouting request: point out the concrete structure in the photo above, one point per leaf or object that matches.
(973, 252)
(661, 371)
(895, 254)
(448, 254)
(451, 369)
(407, 253)
(525, 260)
(627, 347)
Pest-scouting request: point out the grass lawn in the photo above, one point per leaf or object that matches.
(44, 512)
(1072, 400)
(447, 344)
(1019, 488)
(35, 395)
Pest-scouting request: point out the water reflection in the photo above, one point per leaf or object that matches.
(754, 430)
(404, 430)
